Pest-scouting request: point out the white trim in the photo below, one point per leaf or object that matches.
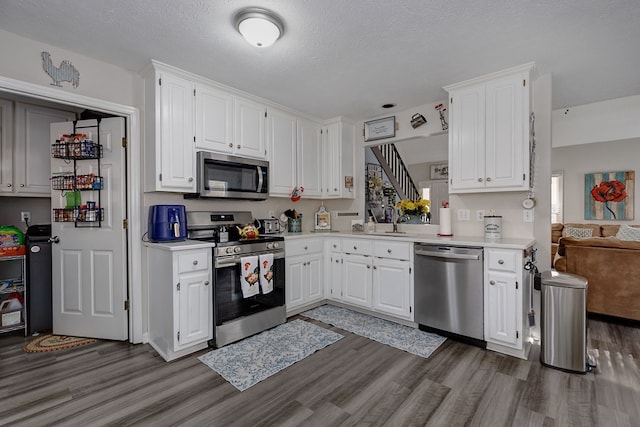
(134, 194)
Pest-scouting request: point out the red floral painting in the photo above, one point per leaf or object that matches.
(609, 195)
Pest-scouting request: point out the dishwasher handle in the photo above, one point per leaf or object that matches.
(447, 255)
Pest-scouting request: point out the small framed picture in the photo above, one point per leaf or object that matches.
(438, 171)
(380, 129)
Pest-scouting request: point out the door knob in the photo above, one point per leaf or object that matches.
(206, 283)
(492, 282)
(488, 179)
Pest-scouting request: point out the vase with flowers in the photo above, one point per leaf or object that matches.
(413, 211)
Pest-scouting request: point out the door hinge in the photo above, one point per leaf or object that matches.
(124, 142)
(194, 138)
(451, 100)
(524, 177)
(194, 92)
(178, 286)
(409, 270)
(516, 285)
(126, 305)
(410, 308)
(125, 223)
(362, 131)
(160, 81)
(178, 335)
(517, 334)
(524, 82)
(160, 177)
(265, 114)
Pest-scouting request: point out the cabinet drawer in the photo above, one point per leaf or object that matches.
(193, 261)
(357, 246)
(335, 245)
(502, 260)
(394, 250)
(303, 246)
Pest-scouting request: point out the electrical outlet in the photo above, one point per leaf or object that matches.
(480, 215)
(464, 215)
(527, 215)
(25, 216)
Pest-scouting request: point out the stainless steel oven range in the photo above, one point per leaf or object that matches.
(236, 316)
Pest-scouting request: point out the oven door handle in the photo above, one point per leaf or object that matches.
(235, 259)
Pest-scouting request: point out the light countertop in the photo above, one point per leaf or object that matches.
(506, 243)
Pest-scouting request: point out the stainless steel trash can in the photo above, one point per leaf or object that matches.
(563, 327)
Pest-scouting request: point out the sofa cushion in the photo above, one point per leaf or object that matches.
(577, 232)
(628, 233)
(599, 242)
(556, 231)
(595, 228)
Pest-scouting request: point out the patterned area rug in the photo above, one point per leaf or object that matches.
(247, 362)
(50, 342)
(403, 337)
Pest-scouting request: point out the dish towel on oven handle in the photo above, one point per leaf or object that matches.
(266, 273)
(250, 276)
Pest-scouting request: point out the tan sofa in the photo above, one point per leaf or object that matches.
(611, 266)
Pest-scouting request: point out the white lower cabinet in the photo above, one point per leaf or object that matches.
(392, 287)
(305, 278)
(504, 311)
(356, 279)
(373, 274)
(180, 298)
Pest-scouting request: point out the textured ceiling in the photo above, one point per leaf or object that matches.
(348, 57)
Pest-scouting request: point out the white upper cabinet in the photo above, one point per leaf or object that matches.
(282, 137)
(338, 146)
(489, 132)
(25, 151)
(169, 132)
(309, 158)
(249, 128)
(295, 155)
(214, 119)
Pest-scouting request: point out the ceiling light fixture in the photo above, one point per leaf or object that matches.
(260, 27)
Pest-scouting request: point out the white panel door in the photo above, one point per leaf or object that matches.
(32, 150)
(310, 158)
(282, 153)
(506, 132)
(177, 134)
(250, 125)
(89, 263)
(501, 308)
(294, 294)
(6, 146)
(467, 138)
(356, 284)
(194, 306)
(214, 120)
(314, 278)
(392, 287)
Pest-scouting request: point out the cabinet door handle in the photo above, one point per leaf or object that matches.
(375, 267)
(21, 185)
(206, 283)
(492, 282)
(54, 239)
(355, 248)
(190, 179)
(500, 261)
(479, 179)
(9, 185)
(195, 262)
(230, 145)
(238, 146)
(368, 266)
(388, 251)
(488, 179)
(306, 247)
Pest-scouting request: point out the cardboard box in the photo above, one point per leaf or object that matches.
(11, 318)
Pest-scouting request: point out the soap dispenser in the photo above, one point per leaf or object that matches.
(371, 225)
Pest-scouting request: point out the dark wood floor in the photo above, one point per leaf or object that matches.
(352, 382)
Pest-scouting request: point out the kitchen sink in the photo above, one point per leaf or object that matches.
(390, 233)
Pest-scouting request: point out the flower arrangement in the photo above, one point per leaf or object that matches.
(413, 207)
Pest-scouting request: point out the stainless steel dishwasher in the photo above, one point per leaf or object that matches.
(449, 291)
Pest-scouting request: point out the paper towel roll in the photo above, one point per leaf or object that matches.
(445, 222)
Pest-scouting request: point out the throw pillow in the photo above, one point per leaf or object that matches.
(578, 233)
(626, 232)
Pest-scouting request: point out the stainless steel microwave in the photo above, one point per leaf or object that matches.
(232, 177)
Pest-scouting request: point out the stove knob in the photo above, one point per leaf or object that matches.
(270, 245)
(229, 250)
(276, 245)
(237, 249)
